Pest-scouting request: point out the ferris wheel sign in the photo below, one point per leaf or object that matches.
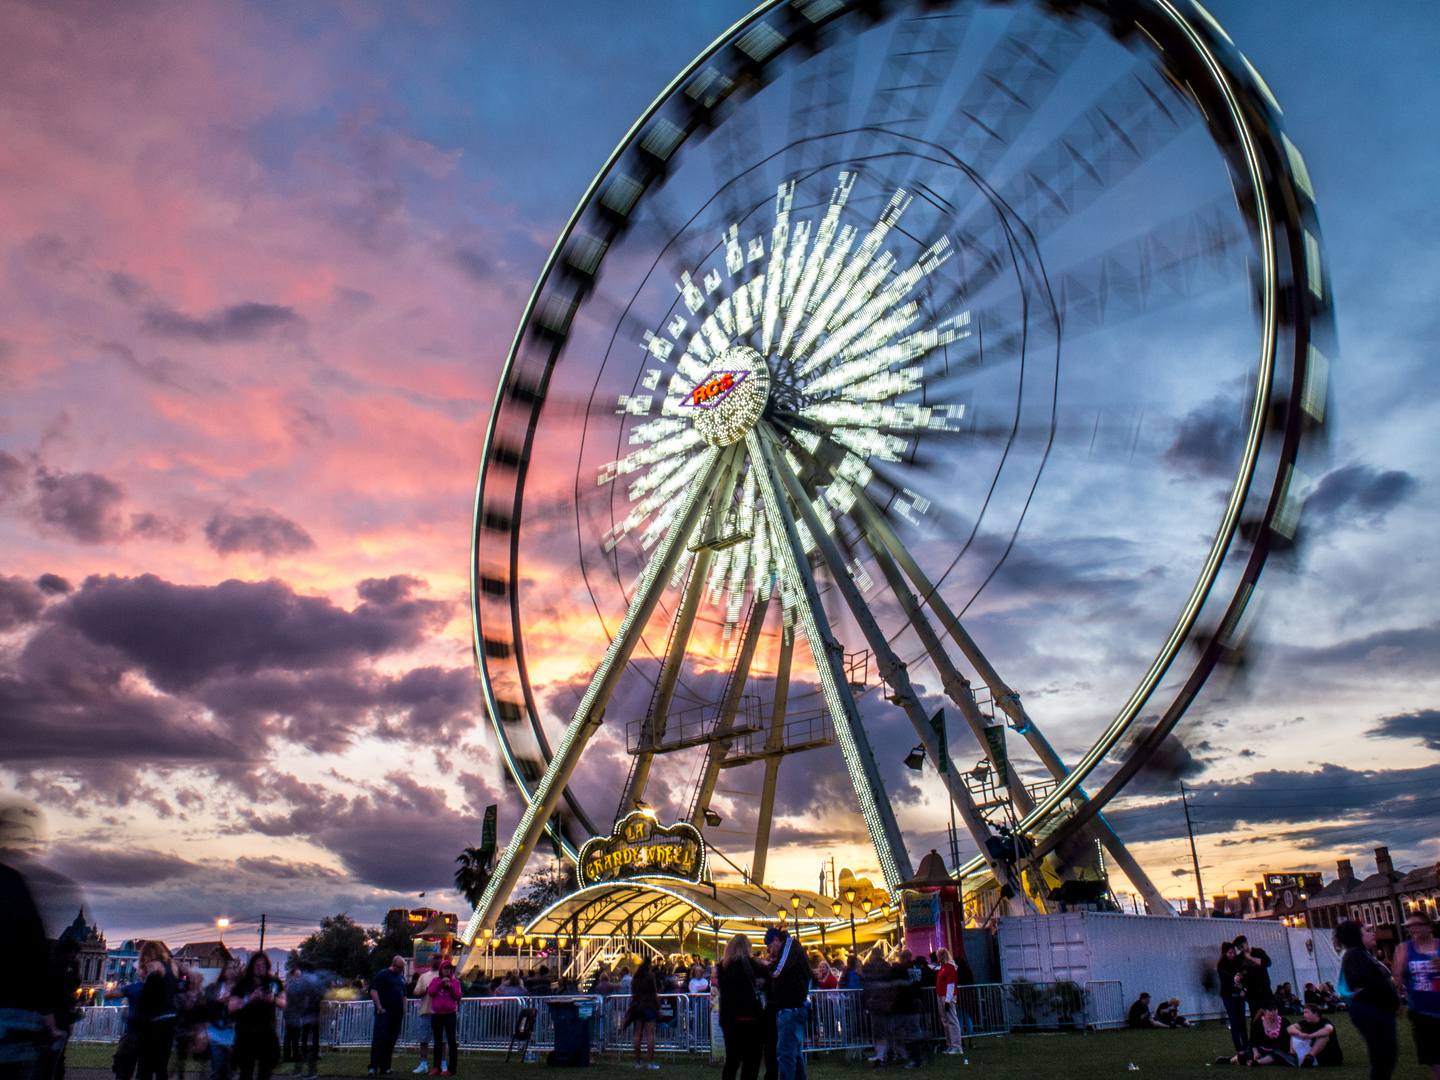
(641, 847)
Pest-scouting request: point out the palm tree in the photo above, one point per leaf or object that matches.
(473, 873)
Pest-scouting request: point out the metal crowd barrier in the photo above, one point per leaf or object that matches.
(1106, 1007)
(840, 1019)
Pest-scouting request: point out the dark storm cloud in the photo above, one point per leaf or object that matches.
(263, 532)
(1357, 491)
(241, 322)
(150, 526)
(1357, 806)
(1208, 440)
(12, 476)
(82, 506)
(53, 585)
(279, 869)
(91, 865)
(20, 602)
(1422, 726)
(1408, 650)
(183, 634)
(399, 834)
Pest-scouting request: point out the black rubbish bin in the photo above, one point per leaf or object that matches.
(570, 1019)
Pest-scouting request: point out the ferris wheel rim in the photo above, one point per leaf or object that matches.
(1240, 489)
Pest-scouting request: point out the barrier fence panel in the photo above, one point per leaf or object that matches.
(99, 1024)
(682, 1026)
(982, 1009)
(1105, 1007)
(1059, 1005)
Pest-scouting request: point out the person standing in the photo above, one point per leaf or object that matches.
(1373, 1001)
(387, 991)
(156, 1014)
(740, 1011)
(304, 995)
(947, 991)
(253, 1002)
(790, 992)
(1254, 975)
(644, 1008)
(1416, 968)
(58, 1014)
(444, 994)
(879, 999)
(1232, 994)
(422, 983)
(220, 1028)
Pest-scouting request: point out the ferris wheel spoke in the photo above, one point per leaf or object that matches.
(653, 727)
(734, 693)
(541, 802)
(774, 745)
(892, 669)
(875, 807)
(886, 543)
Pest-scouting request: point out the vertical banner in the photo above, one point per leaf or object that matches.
(487, 834)
(995, 740)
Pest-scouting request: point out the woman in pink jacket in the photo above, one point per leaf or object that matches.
(445, 994)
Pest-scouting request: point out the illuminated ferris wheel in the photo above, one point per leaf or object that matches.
(827, 420)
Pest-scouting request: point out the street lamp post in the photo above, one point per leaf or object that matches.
(221, 924)
(850, 899)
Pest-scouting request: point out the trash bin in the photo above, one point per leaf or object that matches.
(570, 1019)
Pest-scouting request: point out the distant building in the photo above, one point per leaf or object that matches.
(1381, 900)
(205, 954)
(93, 955)
(122, 964)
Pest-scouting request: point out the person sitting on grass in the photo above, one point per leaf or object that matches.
(1269, 1041)
(1140, 1016)
(1313, 1040)
(1168, 1014)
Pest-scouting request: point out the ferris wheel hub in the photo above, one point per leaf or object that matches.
(731, 398)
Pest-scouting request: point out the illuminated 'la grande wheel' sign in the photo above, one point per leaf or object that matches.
(641, 847)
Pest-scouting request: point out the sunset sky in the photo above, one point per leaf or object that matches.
(260, 265)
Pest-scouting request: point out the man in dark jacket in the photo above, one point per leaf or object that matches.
(789, 997)
(1254, 975)
(387, 991)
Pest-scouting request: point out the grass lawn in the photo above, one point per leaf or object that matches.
(1184, 1053)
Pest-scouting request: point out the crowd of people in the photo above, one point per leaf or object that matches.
(1272, 1026)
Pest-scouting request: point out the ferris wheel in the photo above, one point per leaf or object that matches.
(904, 362)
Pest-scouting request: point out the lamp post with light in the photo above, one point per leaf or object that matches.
(850, 899)
(221, 924)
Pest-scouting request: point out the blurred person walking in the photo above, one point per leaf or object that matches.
(443, 994)
(906, 975)
(422, 981)
(220, 1021)
(58, 1012)
(741, 1011)
(387, 991)
(304, 995)
(879, 999)
(1416, 968)
(156, 1011)
(190, 1035)
(253, 1002)
(1372, 997)
(20, 1025)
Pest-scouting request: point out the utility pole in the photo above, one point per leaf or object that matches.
(1194, 858)
(262, 933)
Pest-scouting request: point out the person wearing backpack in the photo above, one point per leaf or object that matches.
(1366, 987)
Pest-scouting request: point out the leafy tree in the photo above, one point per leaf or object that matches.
(539, 889)
(391, 940)
(340, 945)
(473, 874)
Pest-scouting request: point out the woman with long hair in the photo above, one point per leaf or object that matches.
(1230, 969)
(644, 1009)
(158, 1012)
(741, 1012)
(253, 1002)
(1373, 1000)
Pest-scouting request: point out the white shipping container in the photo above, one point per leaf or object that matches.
(1160, 955)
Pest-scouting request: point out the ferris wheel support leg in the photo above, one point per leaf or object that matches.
(774, 743)
(1007, 698)
(716, 751)
(591, 712)
(875, 806)
(892, 668)
(653, 730)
